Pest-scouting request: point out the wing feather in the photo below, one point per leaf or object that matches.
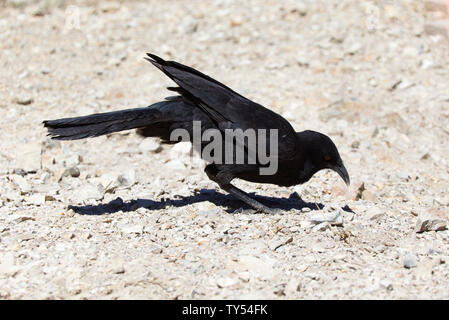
(227, 108)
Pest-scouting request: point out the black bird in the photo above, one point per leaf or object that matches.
(200, 98)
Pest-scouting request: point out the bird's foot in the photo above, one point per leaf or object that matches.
(265, 210)
(268, 210)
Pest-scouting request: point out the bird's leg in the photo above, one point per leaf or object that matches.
(224, 183)
(242, 195)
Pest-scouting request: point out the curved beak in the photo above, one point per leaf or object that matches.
(341, 170)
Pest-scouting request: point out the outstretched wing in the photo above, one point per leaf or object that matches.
(227, 108)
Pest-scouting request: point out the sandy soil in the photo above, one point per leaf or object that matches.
(122, 217)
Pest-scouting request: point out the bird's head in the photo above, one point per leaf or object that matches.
(320, 153)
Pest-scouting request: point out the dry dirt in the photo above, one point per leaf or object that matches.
(116, 217)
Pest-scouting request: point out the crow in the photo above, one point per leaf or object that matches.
(202, 99)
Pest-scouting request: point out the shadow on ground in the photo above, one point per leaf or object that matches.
(228, 202)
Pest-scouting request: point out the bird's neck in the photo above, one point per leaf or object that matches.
(307, 172)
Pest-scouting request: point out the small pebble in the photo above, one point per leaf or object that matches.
(409, 261)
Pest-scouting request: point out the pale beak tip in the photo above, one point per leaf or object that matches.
(341, 170)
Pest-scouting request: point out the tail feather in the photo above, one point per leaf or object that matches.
(100, 124)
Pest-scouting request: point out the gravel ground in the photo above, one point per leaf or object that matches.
(120, 217)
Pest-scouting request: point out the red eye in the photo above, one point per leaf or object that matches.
(327, 158)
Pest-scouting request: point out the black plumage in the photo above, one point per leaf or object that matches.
(201, 98)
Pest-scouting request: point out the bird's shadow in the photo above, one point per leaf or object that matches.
(230, 204)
